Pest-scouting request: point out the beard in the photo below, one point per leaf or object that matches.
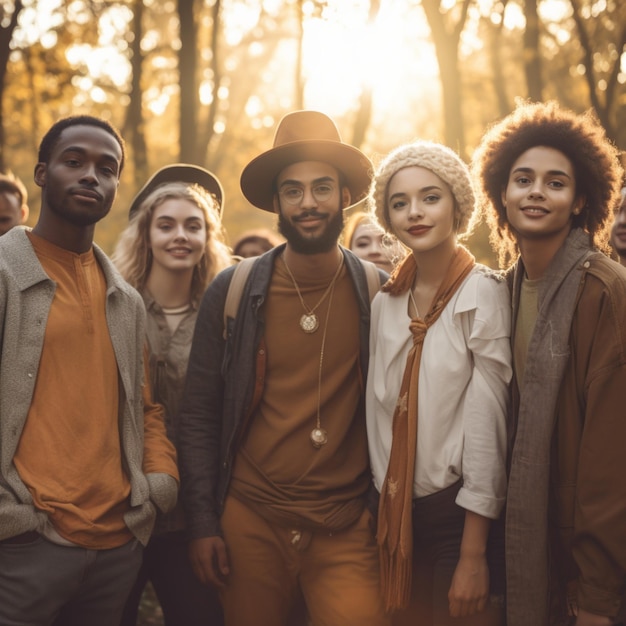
(68, 211)
(303, 245)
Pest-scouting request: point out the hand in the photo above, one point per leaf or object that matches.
(469, 590)
(209, 560)
(591, 619)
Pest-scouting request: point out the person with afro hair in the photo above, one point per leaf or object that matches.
(548, 182)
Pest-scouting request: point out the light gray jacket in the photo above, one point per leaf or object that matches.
(26, 294)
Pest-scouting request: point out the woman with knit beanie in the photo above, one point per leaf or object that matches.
(437, 394)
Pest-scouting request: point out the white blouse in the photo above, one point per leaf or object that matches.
(464, 377)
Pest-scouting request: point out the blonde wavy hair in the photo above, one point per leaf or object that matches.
(133, 254)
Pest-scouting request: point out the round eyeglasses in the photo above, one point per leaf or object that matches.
(293, 195)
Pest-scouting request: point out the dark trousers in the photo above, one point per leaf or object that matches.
(42, 583)
(184, 599)
(437, 532)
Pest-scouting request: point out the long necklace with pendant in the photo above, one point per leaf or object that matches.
(309, 322)
(319, 435)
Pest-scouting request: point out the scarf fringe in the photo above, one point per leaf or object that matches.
(395, 579)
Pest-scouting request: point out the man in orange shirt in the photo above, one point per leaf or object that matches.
(272, 441)
(84, 459)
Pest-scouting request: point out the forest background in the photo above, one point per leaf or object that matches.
(205, 81)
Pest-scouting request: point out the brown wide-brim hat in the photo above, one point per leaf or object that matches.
(305, 136)
(180, 173)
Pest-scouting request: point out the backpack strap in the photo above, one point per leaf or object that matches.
(235, 289)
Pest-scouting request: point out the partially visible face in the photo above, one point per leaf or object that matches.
(540, 195)
(368, 244)
(251, 248)
(421, 209)
(80, 181)
(177, 235)
(310, 226)
(10, 212)
(618, 232)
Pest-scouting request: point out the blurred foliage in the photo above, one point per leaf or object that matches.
(370, 65)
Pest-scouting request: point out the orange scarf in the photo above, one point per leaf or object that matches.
(395, 529)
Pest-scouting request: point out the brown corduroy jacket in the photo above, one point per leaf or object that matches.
(587, 496)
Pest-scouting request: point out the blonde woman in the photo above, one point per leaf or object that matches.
(170, 251)
(363, 235)
(436, 399)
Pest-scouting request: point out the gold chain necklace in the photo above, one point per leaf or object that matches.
(309, 322)
(319, 435)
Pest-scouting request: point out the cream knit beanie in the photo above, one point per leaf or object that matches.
(432, 156)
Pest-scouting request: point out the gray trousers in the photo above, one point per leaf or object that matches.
(42, 583)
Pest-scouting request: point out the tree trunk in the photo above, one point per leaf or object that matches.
(134, 126)
(187, 65)
(603, 111)
(364, 112)
(532, 58)
(447, 49)
(499, 82)
(6, 34)
(298, 80)
(204, 138)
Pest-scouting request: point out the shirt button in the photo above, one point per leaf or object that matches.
(586, 265)
(261, 351)
(30, 374)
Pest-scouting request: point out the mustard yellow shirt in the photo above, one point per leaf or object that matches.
(69, 453)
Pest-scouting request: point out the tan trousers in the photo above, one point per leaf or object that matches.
(337, 573)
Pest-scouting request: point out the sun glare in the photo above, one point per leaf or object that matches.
(343, 54)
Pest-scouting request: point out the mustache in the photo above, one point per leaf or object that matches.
(307, 214)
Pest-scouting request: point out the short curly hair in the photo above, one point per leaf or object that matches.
(51, 138)
(580, 138)
(440, 160)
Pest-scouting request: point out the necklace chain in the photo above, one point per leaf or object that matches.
(319, 435)
(309, 322)
(417, 313)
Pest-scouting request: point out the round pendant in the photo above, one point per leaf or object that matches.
(319, 437)
(309, 323)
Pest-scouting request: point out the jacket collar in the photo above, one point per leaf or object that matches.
(23, 263)
(575, 248)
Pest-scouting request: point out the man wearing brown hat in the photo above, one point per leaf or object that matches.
(273, 443)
